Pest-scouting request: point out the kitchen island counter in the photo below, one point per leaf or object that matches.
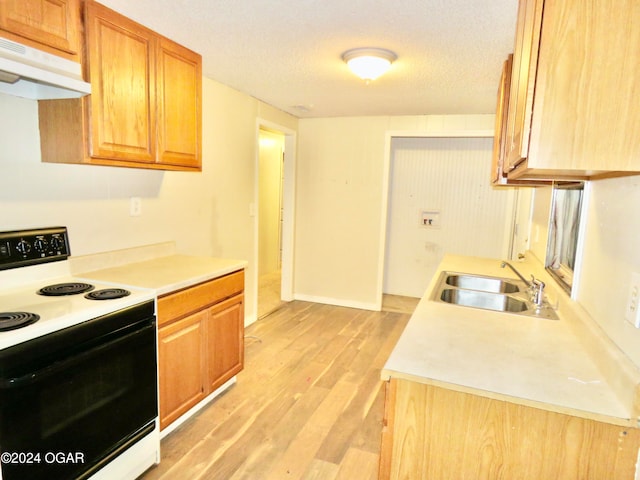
(530, 361)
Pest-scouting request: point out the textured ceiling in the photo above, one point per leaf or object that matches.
(287, 52)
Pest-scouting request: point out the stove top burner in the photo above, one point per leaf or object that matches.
(107, 294)
(60, 289)
(13, 320)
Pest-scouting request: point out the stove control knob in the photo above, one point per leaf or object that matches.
(40, 244)
(23, 247)
(57, 243)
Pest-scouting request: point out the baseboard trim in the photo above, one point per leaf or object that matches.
(338, 302)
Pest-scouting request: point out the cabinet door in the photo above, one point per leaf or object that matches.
(179, 105)
(523, 76)
(586, 115)
(225, 337)
(53, 23)
(500, 147)
(445, 434)
(122, 72)
(500, 134)
(181, 362)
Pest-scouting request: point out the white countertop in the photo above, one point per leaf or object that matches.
(167, 274)
(504, 356)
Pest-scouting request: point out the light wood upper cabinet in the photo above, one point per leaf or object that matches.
(145, 110)
(521, 91)
(501, 141)
(571, 112)
(498, 177)
(123, 79)
(179, 105)
(51, 25)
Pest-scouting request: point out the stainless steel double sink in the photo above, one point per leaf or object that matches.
(489, 293)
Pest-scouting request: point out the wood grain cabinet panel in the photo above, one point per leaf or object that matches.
(501, 141)
(145, 110)
(122, 104)
(575, 69)
(225, 336)
(201, 338)
(442, 434)
(51, 25)
(179, 105)
(197, 297)
(181, 351)
(521, 90)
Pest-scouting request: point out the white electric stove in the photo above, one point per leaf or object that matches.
(78, 367)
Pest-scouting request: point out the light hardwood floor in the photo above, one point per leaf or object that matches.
(308, 405)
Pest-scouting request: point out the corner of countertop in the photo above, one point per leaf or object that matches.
(620, 372)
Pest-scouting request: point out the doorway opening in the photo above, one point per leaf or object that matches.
(439, 200)
(270, 186)
(274, 217)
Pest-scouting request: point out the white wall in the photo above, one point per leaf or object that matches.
(342, 165)
(204, 213)
(611, 255)
(540, 211)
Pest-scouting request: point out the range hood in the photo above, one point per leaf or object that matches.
(31, 73)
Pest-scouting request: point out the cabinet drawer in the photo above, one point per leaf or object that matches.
(181, 303)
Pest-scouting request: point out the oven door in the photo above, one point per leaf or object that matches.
(72, 400)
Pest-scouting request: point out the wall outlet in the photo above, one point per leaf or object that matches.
(632, 312)
(135, 207)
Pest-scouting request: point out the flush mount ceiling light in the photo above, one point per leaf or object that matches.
(369, 63)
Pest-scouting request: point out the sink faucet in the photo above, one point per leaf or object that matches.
(536, 287)
(507, 264)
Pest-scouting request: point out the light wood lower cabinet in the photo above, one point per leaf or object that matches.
(225, 331)
(434, 433)
(181, 365)
(200, 342)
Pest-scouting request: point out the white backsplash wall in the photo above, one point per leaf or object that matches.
(611, 255)
(539, 230)
(447, 175)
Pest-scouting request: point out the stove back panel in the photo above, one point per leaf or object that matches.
(21, 248)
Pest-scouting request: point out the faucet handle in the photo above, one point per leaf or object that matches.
(537, 291)
(537, 283)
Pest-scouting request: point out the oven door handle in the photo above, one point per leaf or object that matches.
(32, 377)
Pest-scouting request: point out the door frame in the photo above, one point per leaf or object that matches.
(389, 136)
(288, 206)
